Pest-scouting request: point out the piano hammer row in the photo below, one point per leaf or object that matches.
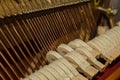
(78, 60)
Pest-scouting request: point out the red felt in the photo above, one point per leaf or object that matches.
(108, 71)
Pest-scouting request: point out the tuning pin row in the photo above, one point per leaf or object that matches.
(14, 7)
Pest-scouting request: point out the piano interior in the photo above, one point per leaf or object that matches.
(59, 40)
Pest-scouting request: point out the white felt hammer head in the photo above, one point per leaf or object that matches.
(52, 56)
(63, 49)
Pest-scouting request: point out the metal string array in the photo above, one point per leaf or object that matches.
(25, 39)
